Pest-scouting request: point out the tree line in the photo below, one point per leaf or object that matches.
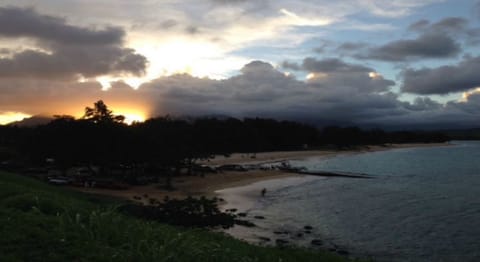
(102, 139)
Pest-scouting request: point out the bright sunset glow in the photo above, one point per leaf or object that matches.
(465, 95)
(317, 75)
(131, 114)
(185, 55)
(9, 117)
(310, 76)
(132, 117)
(374, 75)
(301, 21)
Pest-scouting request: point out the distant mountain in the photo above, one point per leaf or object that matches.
(32, 121)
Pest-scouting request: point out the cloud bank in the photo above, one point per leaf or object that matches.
(345, 94)
(52, 65)
(64, 51)
(444, 79)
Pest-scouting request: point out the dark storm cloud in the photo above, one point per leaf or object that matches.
(425, 46)
(442, 39)
(420, 25)
(325, 45)
(351, 46)
(443, 80)
(346, 94)
(476, 8)
(18, 22)
(335, 73)
(454, 114)
(192, 30)
(68, 63)
(422, 104)
(259, 90)
(471, 106)
(67, 51)
(169, 23)
(332, 65)
(291, 66)
(452, 25)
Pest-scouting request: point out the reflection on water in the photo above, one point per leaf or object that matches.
(422, 205)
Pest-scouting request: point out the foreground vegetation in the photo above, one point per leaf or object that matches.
(44, 223)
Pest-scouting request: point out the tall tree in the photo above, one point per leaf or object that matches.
(101, 114)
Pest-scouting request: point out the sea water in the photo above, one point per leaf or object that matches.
(422, 204)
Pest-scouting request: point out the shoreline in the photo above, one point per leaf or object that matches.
(279, 156)
(194, 186)
(241, 190)
(209, 184)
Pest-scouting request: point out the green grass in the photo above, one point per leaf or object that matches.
(39, 222)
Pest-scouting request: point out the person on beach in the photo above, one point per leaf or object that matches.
(264, 191)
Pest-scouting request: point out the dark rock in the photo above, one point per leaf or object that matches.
(265, 239)
(244, 223)
(259, 217)
(281, 232)
(332, 249)
(343, 252)
(232, 168)
(190, 212)
(307, 227)
(299, 235)
(307, 232)
(281, 241)
(242, 214)
(316, 242)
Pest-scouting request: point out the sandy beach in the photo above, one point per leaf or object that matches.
(212, 182)
(191, 185)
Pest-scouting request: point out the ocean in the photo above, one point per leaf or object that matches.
(422, 204)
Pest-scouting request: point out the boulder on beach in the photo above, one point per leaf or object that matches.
(281, 241)
(264, 239)
(316, 242)
(244, 223)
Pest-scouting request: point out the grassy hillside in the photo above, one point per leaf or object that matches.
(45, 223)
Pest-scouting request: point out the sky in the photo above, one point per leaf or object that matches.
(408, 63)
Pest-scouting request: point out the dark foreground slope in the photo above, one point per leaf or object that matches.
(39, 222)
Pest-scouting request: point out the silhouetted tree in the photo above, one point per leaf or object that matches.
(100, 113)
